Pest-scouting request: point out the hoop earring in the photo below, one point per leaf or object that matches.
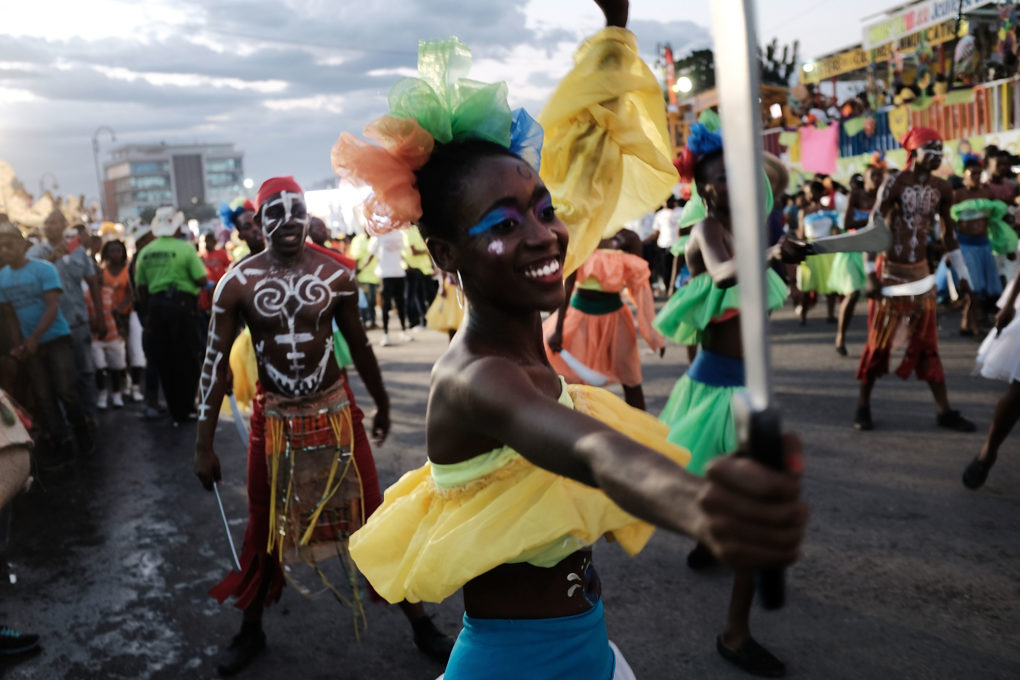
(460, 290)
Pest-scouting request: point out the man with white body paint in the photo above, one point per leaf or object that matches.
(288, 295)
(902, 286)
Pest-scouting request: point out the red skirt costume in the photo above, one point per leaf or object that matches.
(909, 318)
(602, 336)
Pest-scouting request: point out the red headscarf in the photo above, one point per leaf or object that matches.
(917, 137)
(273, 186)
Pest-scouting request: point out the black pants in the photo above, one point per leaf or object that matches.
(416, 297)
(176, 349)
(393, 293)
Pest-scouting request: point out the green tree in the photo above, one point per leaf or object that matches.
(777, 66)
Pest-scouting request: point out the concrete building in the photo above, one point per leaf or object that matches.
(141, 176)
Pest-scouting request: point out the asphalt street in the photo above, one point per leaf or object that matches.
(904, 574)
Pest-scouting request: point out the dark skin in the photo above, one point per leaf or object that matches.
(859, 199)
(710, 251)
(494, 387)
(54, 228)
(998, 169)
(249, 232)
(813, 205)
(632, 394)
(972, 189)
(12, 253)
(234, 305)
(317, 231)
(1007, 410)
(909, 242)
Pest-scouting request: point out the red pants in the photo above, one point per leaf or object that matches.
(256, 562)
(922, 356)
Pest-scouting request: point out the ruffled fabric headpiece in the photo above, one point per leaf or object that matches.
(228, 212)
(440, 106)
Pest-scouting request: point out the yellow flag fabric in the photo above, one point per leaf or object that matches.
(606, 158)
(899, 121)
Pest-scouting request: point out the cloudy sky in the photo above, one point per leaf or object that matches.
(281, 79)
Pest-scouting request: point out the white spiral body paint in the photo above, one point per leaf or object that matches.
(284, 295)
(213, 357)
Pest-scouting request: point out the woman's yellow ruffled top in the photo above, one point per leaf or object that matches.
(442, 525)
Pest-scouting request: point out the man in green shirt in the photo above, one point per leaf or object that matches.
(169, 275)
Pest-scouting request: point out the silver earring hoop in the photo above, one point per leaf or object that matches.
(460, 290)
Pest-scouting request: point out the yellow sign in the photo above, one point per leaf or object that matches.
(857, 58)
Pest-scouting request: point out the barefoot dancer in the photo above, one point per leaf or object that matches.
(597, 328)
(288, 296)
(848, 277)
(521, 479)
(999, 359)
(903, 290)
(699, 411)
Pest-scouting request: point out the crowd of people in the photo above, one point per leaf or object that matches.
(529, 461)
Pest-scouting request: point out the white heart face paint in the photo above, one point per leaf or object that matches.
(286, 207)
(496, 246)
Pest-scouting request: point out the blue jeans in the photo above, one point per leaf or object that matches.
(81, 345)
(54, 380)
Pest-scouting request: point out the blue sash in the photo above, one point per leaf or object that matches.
(716, 370)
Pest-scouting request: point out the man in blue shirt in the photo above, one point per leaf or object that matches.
(33, 289)
(74, 266)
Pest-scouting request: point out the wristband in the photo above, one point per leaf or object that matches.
(869, 267)
(958, 264)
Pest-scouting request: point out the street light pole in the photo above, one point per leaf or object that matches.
(95, 159)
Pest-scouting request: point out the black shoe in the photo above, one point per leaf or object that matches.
(952, 420)
(430, 640)
(13, 643)
(841, 350)
(862, 421)
(243, 649)
(976, 473)
(752, 658)
(701, 558)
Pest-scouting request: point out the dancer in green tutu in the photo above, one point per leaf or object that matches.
(813, 275)
(704, 312)
(848, 277)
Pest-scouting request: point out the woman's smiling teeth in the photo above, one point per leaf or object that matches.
(539, 271)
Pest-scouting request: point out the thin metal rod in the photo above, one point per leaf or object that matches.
(226, 527)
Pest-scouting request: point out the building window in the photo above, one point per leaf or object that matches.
(150, 168)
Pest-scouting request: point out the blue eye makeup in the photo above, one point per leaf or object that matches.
(494, 218)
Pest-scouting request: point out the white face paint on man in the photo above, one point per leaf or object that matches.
(286, 207)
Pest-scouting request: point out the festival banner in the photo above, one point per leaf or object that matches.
(819, 148)
(914, 19)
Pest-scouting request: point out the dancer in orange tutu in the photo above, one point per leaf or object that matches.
(597, 328)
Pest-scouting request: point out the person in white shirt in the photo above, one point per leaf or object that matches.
(388, 250)
(666, 225)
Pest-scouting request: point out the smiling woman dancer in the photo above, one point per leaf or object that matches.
(524, 473)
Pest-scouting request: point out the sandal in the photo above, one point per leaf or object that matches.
(975, 474)
(952, 420)
(752, 658)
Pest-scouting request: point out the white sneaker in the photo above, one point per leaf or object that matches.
(136, 394)
(118, 401)
(404, 337)
(101, 400)
(385, 342)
